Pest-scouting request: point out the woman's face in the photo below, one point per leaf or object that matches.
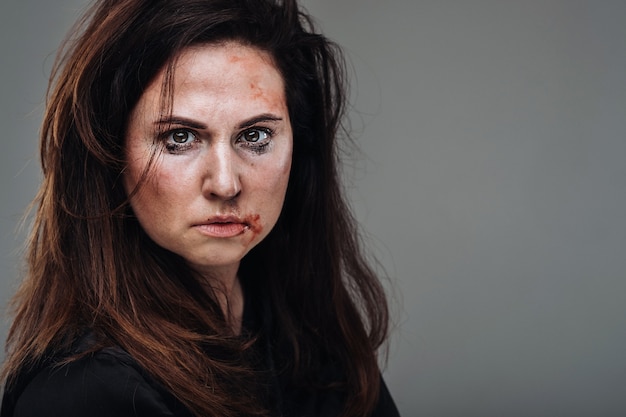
(223, 156)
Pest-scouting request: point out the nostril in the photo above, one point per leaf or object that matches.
(227, 195)
(224, 187)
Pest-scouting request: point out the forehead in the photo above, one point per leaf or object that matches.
(216, 83)
(219, 68)
(222, 62)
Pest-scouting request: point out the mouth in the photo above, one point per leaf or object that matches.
(223, 226)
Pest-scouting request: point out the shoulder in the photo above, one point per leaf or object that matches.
(105, 383)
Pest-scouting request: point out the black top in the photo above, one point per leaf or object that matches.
(111, 383)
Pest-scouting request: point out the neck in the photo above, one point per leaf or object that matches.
(231, 301)
(225, 284)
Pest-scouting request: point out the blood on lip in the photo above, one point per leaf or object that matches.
(231, 227)
(255, 226)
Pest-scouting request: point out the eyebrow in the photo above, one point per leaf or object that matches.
(265, 117)
(183, 121)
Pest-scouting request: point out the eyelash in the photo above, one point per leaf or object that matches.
(173, 147)
(258, 147)
(261, 145)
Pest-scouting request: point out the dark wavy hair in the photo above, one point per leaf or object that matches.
(90, 265)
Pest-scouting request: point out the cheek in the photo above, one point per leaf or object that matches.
(131, 178)
(276, 187)
(137, 156)
(277, 176)
(158, 193)
(268, 183)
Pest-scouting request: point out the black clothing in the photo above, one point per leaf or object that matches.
(110, 383)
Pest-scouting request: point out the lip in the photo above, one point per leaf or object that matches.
(223, 226)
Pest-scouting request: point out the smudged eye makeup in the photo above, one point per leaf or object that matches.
(179, 140)
(255, 139)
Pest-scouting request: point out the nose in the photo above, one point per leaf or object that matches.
(222, 178)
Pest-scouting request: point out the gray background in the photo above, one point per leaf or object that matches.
(491, 184)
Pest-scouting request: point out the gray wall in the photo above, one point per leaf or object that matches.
(491, 184)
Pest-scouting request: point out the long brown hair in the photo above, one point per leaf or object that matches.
(90, 265)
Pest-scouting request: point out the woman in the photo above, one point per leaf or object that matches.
(192, 253)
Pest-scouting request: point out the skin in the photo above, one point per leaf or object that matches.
(223, 157)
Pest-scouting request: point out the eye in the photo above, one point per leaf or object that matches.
(179, 140)
(255, 135)
(256, 139)
(181, 136)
